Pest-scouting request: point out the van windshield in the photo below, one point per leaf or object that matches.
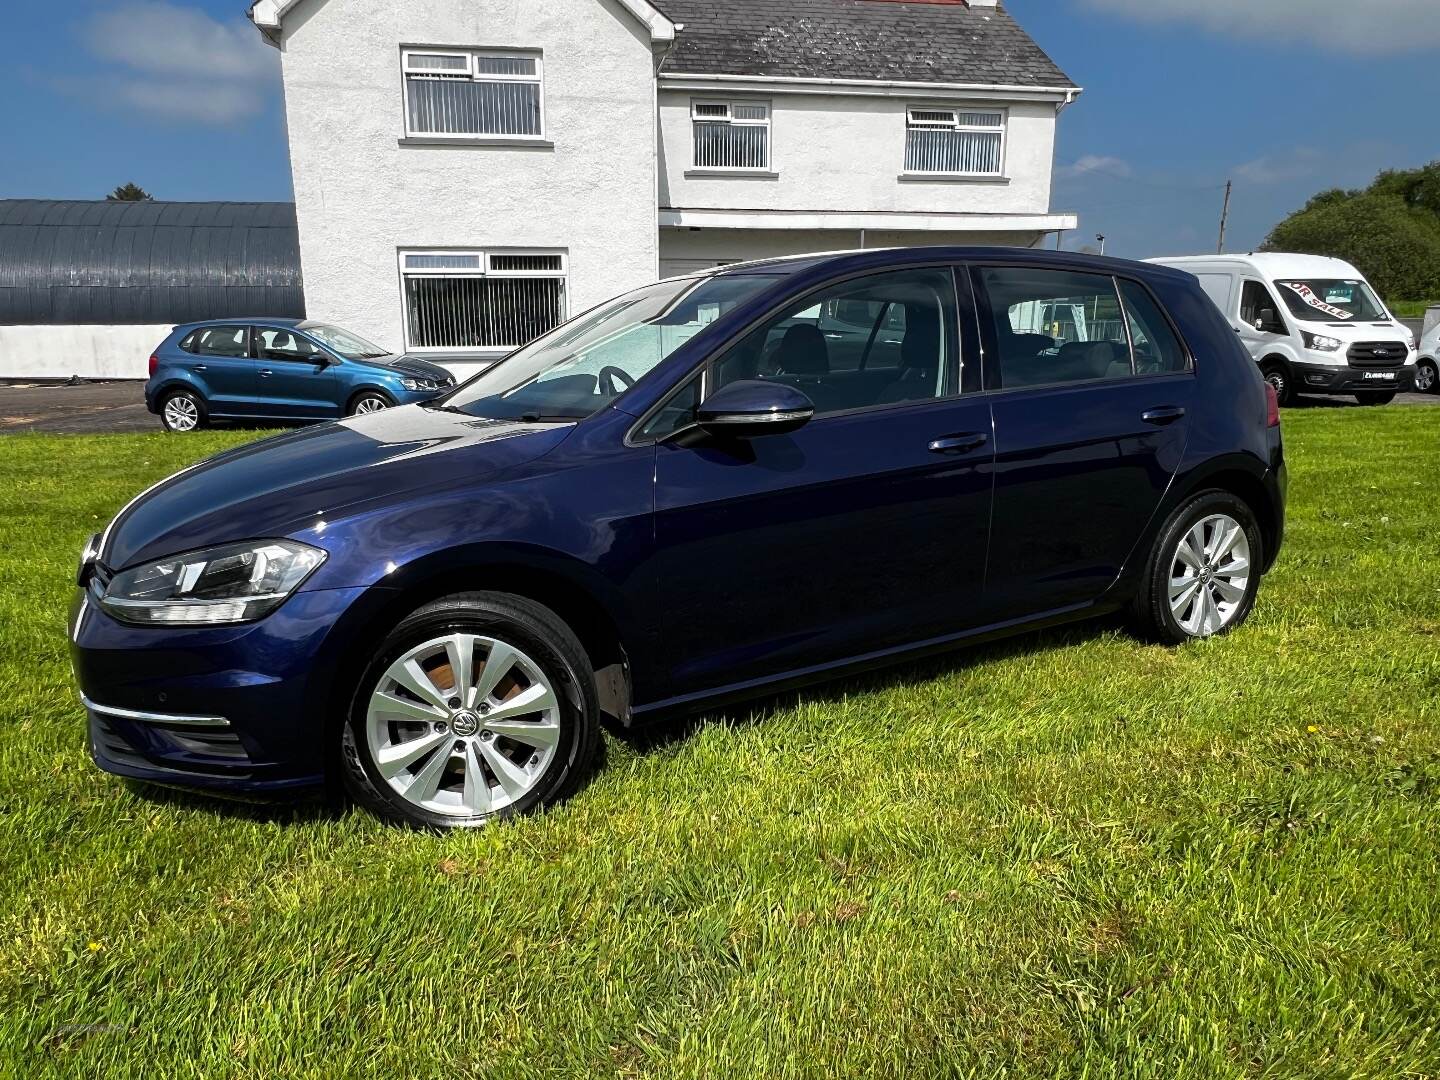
(1331, 300)
(581, 366)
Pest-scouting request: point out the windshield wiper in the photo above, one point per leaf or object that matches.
(547, 418)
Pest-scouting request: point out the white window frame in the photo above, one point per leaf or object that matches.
(485, 269)
(911, 124)
(730, 118)
(471, 55)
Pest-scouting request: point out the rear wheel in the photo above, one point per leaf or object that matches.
(1278, 376)
(1427, 377)
(1383, 397)
(477, 706)
(368, 402)
(183, 410)
(1204, 571)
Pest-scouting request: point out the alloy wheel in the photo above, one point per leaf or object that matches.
(463, 725)
(1425, 378)
(181, 413)
(1209, 575)
(371, 403)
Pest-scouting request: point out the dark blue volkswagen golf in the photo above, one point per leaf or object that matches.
(706, 489)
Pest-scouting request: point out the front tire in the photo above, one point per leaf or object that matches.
(1204, 571)
(367, 402)
(475, 707)
(1383, 397)
(1427, 377)
(1278, 376)
(183, 410)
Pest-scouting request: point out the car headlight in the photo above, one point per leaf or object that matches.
(419, 384)
(231, 584)
(1319, 342)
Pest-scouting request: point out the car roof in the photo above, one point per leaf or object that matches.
(836, 262)
(246, 320)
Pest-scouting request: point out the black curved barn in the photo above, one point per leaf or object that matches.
(69, 263)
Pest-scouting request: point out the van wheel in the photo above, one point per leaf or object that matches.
(475, 707)
(1278, 376)
(1383, 397)
(183, 411)
(1204, 571)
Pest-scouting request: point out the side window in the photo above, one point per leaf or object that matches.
(273, 343)
(1258, 309)
(1055, 326)
(886, 339)
(678, 412)
(1157, 349)
(221, 341)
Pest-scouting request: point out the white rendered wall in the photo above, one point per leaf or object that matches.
(846, 152)
(92, 352)
(360, 195)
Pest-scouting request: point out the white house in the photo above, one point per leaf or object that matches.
(470, 172)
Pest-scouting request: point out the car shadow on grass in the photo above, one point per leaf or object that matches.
(667, 732)
(305, 807)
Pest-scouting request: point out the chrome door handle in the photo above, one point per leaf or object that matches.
(959, 444)
(1166, 414)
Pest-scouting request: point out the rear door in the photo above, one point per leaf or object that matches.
(1088, 431)
(863, 531)
(221, 361)
(294, 375)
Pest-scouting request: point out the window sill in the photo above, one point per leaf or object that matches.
(528, 142)
(951, 178)
(738, 174)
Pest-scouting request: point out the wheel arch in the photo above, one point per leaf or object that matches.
(1244, 481)
(369, 388)
(566, 587)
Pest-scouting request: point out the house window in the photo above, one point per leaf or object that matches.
(472, 94)
(954, 141)
(731, 134)
(481, 300)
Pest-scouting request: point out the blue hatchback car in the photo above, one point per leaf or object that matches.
(279, 369)
(708, 489)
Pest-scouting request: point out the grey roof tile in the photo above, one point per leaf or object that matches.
(897, 40)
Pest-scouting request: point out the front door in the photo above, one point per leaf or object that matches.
(1091, 389)
(863, 531)
(1262, 325)
(294, 376)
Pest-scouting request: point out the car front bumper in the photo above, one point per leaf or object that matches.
(1339, 379)
(241, 710)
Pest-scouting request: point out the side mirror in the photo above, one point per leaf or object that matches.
(753, 408)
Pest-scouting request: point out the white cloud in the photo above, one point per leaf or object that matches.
(1351, 26)
(1095, 163)
(176, 63)
(1279, 168)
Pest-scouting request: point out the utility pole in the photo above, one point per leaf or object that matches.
(1224, 218)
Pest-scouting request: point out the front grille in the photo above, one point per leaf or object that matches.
(211, 751)
(1378, 354)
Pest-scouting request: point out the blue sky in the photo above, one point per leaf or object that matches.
(1286, 97)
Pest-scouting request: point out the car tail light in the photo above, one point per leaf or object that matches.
(154, 363)
(1272, 406)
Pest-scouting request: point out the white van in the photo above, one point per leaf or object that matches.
(1313, 324)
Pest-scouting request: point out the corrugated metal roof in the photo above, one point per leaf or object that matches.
(110, 263)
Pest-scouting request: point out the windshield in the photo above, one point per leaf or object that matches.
(1331, 300)
(348, 345)
(580, 367)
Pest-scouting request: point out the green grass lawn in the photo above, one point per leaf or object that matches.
(1069, 855)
